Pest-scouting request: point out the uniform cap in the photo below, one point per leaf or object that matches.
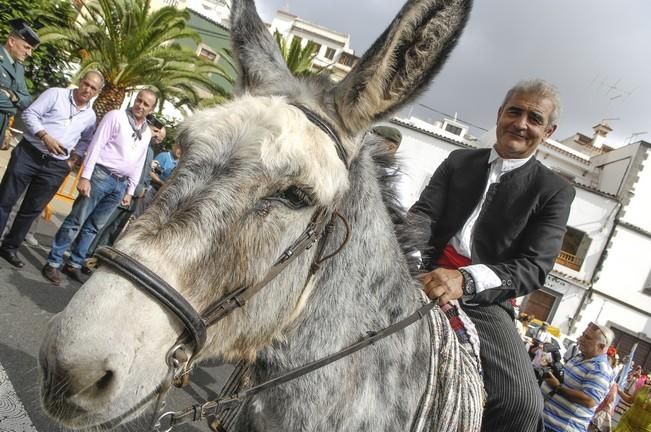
(390, 133)
(20, 27)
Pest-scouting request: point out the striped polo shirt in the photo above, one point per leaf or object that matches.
(593, 377)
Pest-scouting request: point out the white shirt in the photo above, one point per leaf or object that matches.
(484, 277)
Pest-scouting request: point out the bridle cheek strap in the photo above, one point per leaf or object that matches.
(196, 323)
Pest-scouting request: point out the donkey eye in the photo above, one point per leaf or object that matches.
(293, 197)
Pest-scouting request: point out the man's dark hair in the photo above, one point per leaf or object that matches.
(155, 121)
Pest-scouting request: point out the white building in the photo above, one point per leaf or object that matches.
(603, 273)
(218, 11)
(333, 49)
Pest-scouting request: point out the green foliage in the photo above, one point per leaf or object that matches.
(49, 65)
(298, 58)
(133, 46)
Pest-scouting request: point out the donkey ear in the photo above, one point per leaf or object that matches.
(401, 62)
(260, 62)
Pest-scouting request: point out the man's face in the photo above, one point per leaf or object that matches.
(590, 342)
(18, 48)
(89, 86)
(176, 151)
(144, 105)
(523, 122)
(157, 134)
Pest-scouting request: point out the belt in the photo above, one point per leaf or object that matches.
(36, 153)
(108, 171)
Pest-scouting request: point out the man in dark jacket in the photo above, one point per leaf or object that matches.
(497, 218)
(13, 90)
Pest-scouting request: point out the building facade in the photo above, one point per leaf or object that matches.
(333, 51)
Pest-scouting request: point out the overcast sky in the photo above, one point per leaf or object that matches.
(597, 52)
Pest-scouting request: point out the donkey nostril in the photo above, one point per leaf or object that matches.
(104, 381)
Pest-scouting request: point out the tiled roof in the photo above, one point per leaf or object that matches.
(459, 142)
(635, 228)
(597, 191)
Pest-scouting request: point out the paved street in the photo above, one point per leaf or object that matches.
(27, 302)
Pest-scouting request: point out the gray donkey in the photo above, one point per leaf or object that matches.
(254, 173)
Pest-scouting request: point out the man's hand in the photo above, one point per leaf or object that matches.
(74, 160)
(11, 95)
(442, 284)
(126, 200)
(551, 380)
(53, 146)
(83, 187)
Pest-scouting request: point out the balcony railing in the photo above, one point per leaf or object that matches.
(570, 261)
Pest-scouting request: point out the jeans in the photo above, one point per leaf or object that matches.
(91, 214)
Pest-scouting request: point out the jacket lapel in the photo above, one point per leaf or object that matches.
(7, 67)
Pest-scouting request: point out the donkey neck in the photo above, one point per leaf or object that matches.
(364, 288)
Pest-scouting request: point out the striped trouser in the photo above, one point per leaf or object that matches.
(514, 403)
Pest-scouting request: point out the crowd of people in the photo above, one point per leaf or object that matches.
(118, 170)
(592, 389)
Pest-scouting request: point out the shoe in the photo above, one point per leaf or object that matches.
(74, 273)
(31, 240)
(87, 270)
(52, 274)
(12, 258)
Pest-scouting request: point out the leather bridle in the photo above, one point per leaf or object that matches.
(196, 323)
(180, 357)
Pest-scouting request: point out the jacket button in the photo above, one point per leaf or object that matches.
(509, 283)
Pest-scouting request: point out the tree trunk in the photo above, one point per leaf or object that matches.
(110, 98)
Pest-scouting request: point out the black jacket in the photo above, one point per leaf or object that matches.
(520, 229)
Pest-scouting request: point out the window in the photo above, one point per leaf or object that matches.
(624, 342)
(574, 249)
(348, 59)
(456, 130)
(330, 53)
(207, 53)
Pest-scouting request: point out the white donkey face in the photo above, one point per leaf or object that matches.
(252, 175)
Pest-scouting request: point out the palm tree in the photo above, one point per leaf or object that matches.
(133, 46)
(298, 58)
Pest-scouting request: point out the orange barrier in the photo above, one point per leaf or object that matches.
(67, 192)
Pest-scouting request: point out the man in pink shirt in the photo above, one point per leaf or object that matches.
(112, 169)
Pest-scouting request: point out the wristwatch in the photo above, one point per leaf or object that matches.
(469, 288)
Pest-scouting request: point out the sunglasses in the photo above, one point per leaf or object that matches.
(595, 327)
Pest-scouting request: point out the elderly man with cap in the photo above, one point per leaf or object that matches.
(569, 405)
(13, 91)
(390, 135)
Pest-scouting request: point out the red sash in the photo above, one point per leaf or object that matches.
(451, 259)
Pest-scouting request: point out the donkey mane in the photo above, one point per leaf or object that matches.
(408, 230)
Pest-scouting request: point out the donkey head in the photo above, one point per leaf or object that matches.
(252, 174)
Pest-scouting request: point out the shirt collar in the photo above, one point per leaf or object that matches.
(11, 59)
(507, 164)
(72, 101)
